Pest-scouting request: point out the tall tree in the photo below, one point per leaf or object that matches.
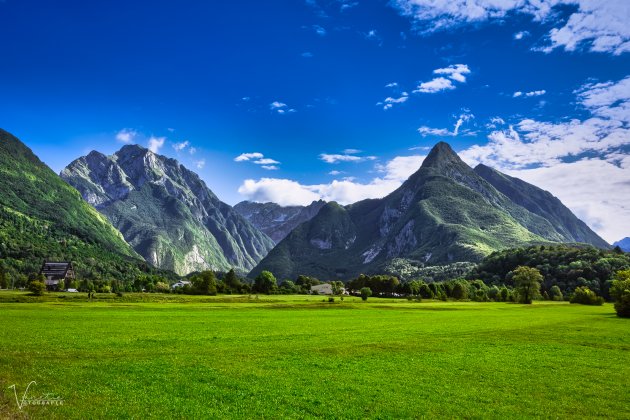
(265, 282)
(527, 281)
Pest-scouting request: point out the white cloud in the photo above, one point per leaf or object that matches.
(352, 151)
(346, 157)
(280, 107)
(288, 192)
(192, 150)
(200, 163)
(391, 85)
(583, 162)
(454, 72)
(597, 191)
(373, 35)
(266, 161)
(126, 135)
(156, 143)
(600, 25)
(436, 85)
(529, 94)
(335, 173)
(258, 159)
(181, 146)
(319, 30)
(520, 35)
(389, 101)
(248, 156)
(443, 132)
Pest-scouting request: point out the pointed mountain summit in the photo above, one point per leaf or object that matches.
(166, 212)
(445, 212)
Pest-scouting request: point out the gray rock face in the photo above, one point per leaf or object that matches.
(277, 221)
(166, 212)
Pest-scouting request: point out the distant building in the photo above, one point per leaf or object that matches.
(181, 283)
(322, 289)
(55, 273)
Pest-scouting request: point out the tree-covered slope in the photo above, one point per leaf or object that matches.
(443, 213)
(42, 217)
(166, 212)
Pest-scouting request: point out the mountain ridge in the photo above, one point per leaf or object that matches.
(444, 212)
(166, 212)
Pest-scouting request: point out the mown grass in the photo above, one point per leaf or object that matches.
(296, 357)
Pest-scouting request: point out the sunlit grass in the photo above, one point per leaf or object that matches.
(297, 356)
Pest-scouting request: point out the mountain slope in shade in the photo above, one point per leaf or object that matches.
(443, 213)
(166, 212)
(542, 203)
(624, 244)
(42, 217)
(277, 221)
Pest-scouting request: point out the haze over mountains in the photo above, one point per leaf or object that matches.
(445, 212)
(166, 212)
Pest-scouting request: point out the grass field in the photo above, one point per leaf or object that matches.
(296, 357)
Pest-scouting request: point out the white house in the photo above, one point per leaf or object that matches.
(322, 289)
(181, 283)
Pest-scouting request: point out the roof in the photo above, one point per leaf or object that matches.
(56, 270)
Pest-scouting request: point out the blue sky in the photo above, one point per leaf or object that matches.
(328, 98)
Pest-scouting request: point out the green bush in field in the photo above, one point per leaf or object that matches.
(556, 294)
(37, 288)
(620, 291)
(366, 292)
(586, 296)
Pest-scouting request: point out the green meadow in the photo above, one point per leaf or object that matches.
(170, 356)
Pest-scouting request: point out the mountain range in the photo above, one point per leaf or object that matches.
(277, 221)
(166, 212)
(42, 217)
(445, 212)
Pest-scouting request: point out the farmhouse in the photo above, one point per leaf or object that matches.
(322, 289)
(55, 274)
(181, 283)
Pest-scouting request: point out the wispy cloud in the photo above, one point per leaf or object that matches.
(319, 30)
(520, 35)
(389, 102)
(200, 163)
(248, 156)
(349, 155)
(156, 143)
(373, 35)
(454, 72)
(599, 25)
(258, 159)
(280, 107)
(181, 146)
(126, 135)
(443, 132)
(518, 94)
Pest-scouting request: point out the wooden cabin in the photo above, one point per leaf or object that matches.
(56, 272)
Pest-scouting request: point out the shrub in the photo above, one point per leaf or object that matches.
(331, 300)
(556, 294)
(37, 288)
(585, 296)
(366, 292)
